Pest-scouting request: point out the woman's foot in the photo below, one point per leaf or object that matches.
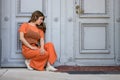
(50, 68)
(27, 62)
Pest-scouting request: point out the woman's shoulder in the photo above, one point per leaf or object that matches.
(22, 27)
(24, 23)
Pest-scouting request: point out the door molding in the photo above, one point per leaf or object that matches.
(0, 32)
(117, 31)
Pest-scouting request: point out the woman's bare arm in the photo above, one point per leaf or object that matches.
(42, 50)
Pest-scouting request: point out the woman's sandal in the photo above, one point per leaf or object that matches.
(27, 62)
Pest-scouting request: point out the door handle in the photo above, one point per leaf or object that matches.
(79, 10)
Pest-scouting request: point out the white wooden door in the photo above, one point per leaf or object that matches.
(94, 32)
(117, 31)
(15, 12)
(0, 34)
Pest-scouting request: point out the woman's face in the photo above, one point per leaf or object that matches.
(39, 20)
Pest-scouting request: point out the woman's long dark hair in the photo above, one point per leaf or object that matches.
(35, 16)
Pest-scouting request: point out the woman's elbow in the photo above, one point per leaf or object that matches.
(21, 38)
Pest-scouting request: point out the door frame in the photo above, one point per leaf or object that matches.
(117, 31)
(0, 31)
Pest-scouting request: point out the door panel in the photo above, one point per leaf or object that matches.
(94, 6)
(14, 13)
(94, 36)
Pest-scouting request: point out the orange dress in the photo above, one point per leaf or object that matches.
(37, 61)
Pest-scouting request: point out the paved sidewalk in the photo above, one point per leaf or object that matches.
(24, 74)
